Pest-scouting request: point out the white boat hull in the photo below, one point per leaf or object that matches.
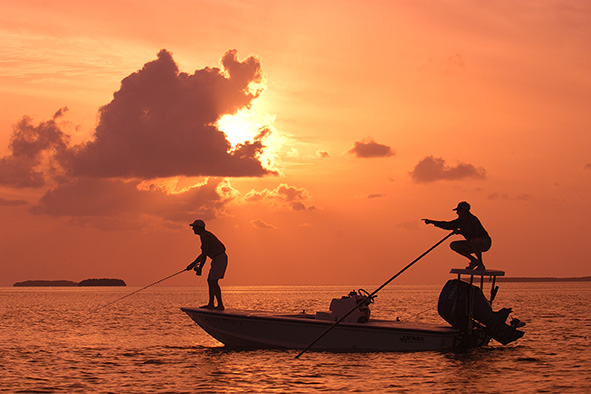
(256, 329)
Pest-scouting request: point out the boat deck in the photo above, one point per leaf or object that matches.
(309, 318)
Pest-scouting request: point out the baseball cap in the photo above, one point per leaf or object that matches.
(198, 222)
(462, 206)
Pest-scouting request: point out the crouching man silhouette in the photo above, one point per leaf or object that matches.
(477, 239)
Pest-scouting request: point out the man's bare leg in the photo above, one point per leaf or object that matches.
(465, 249)
(215, 292)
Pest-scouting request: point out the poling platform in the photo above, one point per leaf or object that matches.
(465, 271)
(492, 275)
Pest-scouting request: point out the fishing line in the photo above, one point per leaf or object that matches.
(143, 288)
(416, 314)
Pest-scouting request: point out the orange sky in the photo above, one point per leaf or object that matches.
(374, 115)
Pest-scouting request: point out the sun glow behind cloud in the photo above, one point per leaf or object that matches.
(246, 125)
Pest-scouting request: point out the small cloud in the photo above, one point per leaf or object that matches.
(505, 196)
(368, 148)
(292, 153)
(11, 203)
(432, 169)
(258, 223)
(448, 66)
(292, 193)
(454, 64)
(322, 154)
(283, 196)
(298, 206)
(587, 166)
(497, 196)
(375, 195)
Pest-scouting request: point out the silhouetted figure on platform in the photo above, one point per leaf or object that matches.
(477, 239)
(214, 249)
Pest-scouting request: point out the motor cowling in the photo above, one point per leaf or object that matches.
(460, 301)
(339, 307)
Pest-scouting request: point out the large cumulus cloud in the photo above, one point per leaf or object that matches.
(161, 123)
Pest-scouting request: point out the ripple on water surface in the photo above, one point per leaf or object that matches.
(55, 341)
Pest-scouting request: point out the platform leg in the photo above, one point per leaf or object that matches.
(493, 289)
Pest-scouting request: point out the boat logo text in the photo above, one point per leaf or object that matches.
(412, 339)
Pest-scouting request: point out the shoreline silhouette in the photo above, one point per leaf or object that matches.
(69, 283)
(544, 279)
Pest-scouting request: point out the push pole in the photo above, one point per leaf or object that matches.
(372, 294)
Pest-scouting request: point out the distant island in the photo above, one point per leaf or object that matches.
(46, 283)
(102, 282)
(68, 283)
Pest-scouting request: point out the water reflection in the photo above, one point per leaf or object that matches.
(52, 341)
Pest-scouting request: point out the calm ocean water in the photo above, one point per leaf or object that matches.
(53, 340)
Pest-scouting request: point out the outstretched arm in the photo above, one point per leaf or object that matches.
(452, 225)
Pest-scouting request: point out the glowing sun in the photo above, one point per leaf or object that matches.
(246, 124)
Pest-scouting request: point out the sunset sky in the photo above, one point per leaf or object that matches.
(312, 137)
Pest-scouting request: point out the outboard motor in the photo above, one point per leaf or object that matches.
(460, 301)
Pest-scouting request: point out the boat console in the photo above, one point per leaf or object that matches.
(339, 307)
(464, 306)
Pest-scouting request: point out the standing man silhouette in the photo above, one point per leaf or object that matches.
(214, 249)
(477, 239)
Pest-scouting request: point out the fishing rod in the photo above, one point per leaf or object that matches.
(364, 299)
(143, 288)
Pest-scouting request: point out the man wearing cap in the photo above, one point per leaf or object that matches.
(214, 249)
(477, 239)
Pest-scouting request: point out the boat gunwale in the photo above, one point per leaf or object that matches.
(308, 319)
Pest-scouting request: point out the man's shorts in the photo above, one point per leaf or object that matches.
(481, 244)
(218, 266)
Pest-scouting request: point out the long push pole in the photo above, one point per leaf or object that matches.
(372, 294)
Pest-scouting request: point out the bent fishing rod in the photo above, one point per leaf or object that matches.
(143, 288)
(369, 297)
